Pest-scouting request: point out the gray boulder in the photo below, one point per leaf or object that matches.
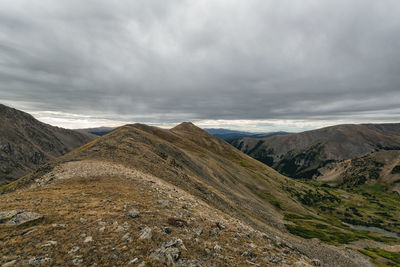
(19, 217)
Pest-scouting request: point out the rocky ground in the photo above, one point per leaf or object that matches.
(103, 214)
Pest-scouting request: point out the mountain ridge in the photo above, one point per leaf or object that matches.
(26, 143)
(302, 155)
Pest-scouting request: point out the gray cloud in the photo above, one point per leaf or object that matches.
(168, 61)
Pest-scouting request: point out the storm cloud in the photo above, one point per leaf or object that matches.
(215, 62)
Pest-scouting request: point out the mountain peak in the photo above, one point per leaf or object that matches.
(187, 126)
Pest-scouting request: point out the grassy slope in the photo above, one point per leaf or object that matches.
(227, 179)
(95, 206)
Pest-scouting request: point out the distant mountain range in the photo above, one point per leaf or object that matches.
(100, 131)
(26, 143)
(225, 134)
(343, 154)
(231, 135)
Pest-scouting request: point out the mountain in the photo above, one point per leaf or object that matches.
(179, 197)
(232, 135)
(26, 143)
(382, 166)
(228, 135)
(100, 131)
(312, 154)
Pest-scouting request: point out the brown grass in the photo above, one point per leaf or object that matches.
(107, 199)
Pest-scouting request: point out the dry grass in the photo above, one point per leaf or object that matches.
(100, 200)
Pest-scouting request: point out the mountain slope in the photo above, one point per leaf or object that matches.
(303, 155)
(96, 131)
(26, 143)
(203, 167)
(232, 135)
(381, 167)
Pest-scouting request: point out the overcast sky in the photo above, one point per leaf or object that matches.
(256, 65)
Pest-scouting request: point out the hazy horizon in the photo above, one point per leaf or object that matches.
(244, 65)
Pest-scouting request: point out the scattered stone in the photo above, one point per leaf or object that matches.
(59, 225)
(49, 244)
(177, 222)
(142, 264)
(166, 230)
(83, 220)
(197, 231)
(316, 262)
(164, 203)
(101, 223)
(28, 232)
(133, 261)
(39, 261)
(252, 263)
(127, 237)
(88, 239)
(214, 232)
(6, 215)
(77, 260)
(126, 226)
(119, 229)
(19, 217)
(220, 226)
(133, 213)
(249, 254)
(9, 264)
(74, 249)
(169, 252)
(274, 258)
(102, 229)
(218, 248)
(345, 196)
(146, 233)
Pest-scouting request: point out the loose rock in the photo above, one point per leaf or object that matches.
(49, 244)
(39, 261)
(133, 261)
(164, 203)
(198, 231)
(146, 233)
(133, 213)
(9, 264)
(169, 252)
(88, 239)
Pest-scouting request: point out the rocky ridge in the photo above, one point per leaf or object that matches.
(126, 217)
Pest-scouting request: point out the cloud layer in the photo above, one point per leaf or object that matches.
(208, 61)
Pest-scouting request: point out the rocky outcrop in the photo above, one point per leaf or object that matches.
(19, 217)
